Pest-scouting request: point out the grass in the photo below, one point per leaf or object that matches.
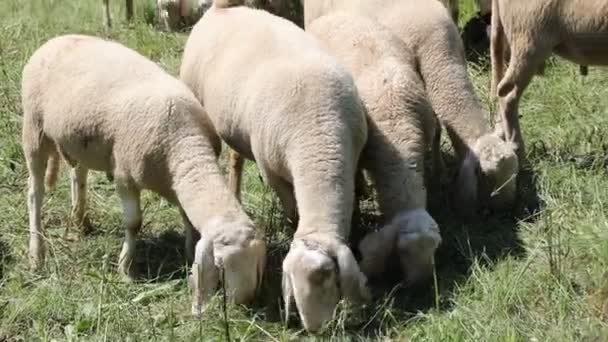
(537, 274)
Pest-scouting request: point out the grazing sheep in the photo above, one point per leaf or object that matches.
(532, 30)
(173, 13)
(401, 127)
(275, 97)
(146, 129)
(488, 164)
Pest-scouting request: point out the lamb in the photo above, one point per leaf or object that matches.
(146, 129)
(172, 13)
(401, 127)
(532, 31)
(488, 164)
(283, 102)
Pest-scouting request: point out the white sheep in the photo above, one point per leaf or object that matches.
(488, 165)
(171, 13)
(402, 126)
(275, 97)
(532, 31)
(146, 129)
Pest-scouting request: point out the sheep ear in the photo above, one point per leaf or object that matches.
(261, 266)
(352, 281)
(375, 248)
(467, 184)
(205, 276)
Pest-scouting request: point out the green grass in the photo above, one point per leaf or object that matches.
(540, 273)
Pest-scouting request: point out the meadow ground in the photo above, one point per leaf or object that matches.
(537, 274)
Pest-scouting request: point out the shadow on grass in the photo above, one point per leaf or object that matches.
(161, 258)
(5, 258)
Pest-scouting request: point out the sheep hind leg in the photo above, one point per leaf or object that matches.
(78, 179)
(522, 66)
(438, 165)
(36, 161)
(132, 216)
(361, 192)
(235, 174)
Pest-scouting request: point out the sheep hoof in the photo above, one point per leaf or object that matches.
(36, 255)
(127, 275)
(85, 226)
(36, 263)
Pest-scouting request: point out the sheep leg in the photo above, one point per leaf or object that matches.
(132, 220)
(361, 189)
(438, 165)
(235, 164)
(284, 191)
(129, 5)
(36, 164)
(189, 233)
(523, 63)
(78, 179)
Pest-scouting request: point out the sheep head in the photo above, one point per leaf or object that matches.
(488, 173)
(417, 240)
(375, 249)
(414, 235)
(317, 272)
(499, 166)
(239, 253)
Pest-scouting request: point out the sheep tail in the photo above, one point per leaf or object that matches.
(228, 3)
(497, 47)
(52, 169)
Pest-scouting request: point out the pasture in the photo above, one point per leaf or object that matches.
(539, 273)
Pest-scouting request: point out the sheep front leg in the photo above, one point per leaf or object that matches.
(189, 233)
(132, 221)
(36, 165)
(438, 166)
(78, 179)
(284, 191)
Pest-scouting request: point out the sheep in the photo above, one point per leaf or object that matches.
(532, 31)
(172, 13)
(275, 97)
(488, 164)
(401, 127)
(146, 129)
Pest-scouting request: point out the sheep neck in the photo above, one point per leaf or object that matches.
(324, 192)
(200, 186)
(453, 97)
